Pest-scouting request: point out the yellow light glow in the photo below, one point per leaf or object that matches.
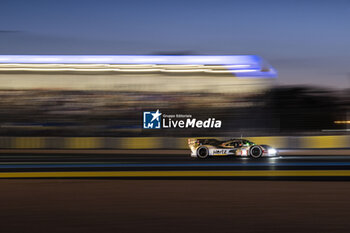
(55, 69)
(226, 66)
(189, 70)
(139, 70)
(342, 122)
(218, 71)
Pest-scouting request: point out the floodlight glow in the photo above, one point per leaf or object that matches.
(240, 65)
(135, 59)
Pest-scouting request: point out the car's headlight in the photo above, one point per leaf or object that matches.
(272, 151)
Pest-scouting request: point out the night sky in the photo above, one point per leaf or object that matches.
(308, 42)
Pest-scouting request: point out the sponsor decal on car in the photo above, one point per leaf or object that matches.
(220, 152)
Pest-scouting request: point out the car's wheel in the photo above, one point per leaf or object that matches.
(202, 152)
(256, 152)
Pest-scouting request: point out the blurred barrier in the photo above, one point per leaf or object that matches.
(302, 142)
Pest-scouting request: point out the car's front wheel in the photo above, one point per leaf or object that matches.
(202, 152)
(256, 152)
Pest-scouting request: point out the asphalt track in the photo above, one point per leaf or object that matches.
(205, 206)
(159, 165)
(172, 193)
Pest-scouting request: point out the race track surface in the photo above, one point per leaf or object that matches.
(205, 206)
(173, 193)
(171, 166)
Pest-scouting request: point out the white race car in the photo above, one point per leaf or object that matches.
(204, 148)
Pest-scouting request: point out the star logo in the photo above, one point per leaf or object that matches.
(156, 115)
(151, 120)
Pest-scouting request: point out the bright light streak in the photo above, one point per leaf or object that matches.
(218, 71)
(237, 66)
(232, 71)
(342, 122)
(136, 59)
(51, 65)
(139, 70)
(242, 65)
(192, 70)
(335, 130)
(45, 68)
(131, 65)
(183, 66)
(272, 151)
(227, 66)
(61, 69)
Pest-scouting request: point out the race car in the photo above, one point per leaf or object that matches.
(205, 148)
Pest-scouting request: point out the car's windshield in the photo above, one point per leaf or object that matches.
(240, 142)
(248, 143)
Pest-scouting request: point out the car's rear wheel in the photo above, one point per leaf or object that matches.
(202, 152)
(256, 152)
